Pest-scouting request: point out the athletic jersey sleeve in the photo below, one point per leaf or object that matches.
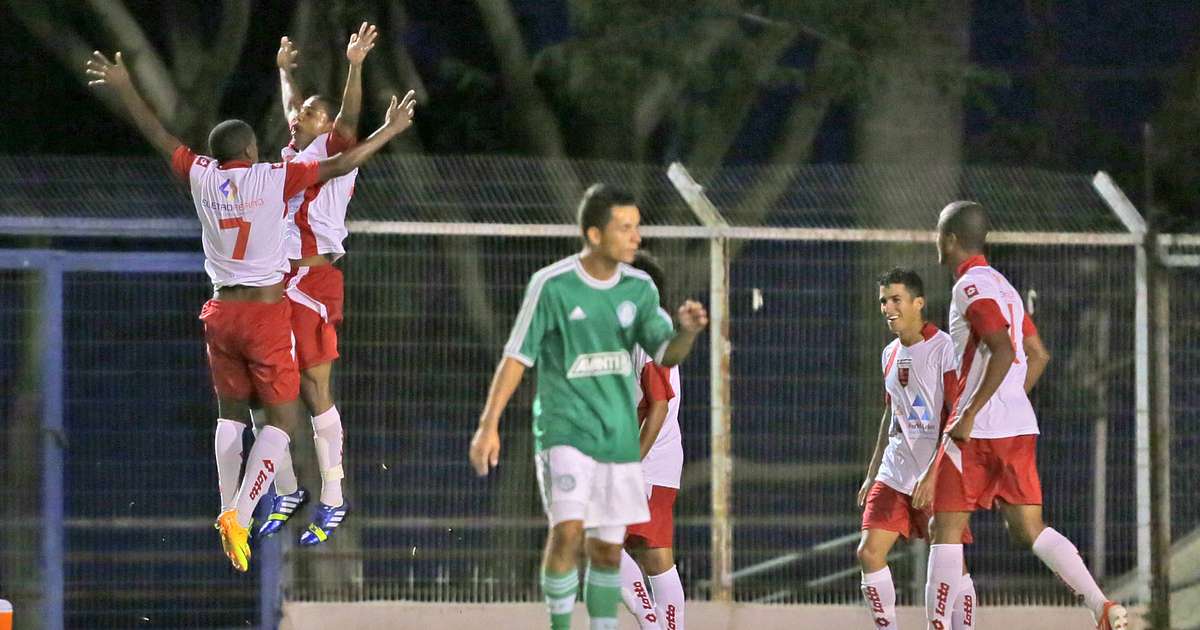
(534, 320)
(654, 326)
(1028, 328)
(656, 383)
(948, 365)
(336, 143)
(977, 300)
(181, 161)
(298, 177)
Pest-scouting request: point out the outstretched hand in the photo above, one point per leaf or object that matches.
(400, 113)
(361, 43)
(286, 57)
(692, 316)
(104, 73)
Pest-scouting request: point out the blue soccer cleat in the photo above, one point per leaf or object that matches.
(283, 506)
(325, 519)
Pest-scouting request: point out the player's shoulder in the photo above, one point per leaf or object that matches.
(553, 271)
(976, 281)
(937, 338)
(890, 348)
(637, 276)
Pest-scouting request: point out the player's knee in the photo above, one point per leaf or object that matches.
(870, 558)
(565, 539)
(604, 554)
(1021, 534)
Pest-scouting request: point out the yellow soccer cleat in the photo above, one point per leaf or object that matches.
(235, 540)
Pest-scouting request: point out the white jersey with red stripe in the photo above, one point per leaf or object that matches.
(242, 215)
(317, 222)
(663, 464)
(916, 379)
(983, 302)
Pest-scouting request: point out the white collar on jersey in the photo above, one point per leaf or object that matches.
(593, 281)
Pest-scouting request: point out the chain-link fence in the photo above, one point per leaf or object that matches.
(440, 252)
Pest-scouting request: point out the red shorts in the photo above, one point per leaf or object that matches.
(317, 294)
(1003, 469)
(891, 510)
(250, 350)
(659, 531)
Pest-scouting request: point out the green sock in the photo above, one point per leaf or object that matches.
(602, 592)
(559, 590)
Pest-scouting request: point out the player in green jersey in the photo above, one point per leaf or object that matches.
(580, 318)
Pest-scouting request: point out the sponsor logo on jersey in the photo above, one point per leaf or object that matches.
(601, 364)
(229, 190)
(626, 313)
(971, 290)
(577, 314)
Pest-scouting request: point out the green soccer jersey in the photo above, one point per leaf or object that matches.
(579, 331)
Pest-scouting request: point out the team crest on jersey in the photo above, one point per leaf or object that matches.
(626, 313)
(601, 364)
(902, 368)
(229, 190)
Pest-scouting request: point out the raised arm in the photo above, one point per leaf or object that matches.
(286, 60)
(361, 43)
(399, 117)
(692, 319)
(105, 74)
(485, 445)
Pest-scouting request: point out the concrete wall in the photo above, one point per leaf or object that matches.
(700, 616)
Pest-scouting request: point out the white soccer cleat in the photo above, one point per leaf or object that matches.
(1113, 617)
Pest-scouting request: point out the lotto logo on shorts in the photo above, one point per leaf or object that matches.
(943, 593)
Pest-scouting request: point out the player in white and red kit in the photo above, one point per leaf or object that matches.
(661, 442)
(991, 458)
(919, 379)
(315, 231)
(241, 205)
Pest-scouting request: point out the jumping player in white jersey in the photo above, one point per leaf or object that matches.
(991, 457)
(919, 380)
(661, 444)
(316, 229)
(241, 207)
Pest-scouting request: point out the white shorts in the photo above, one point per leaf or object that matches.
(599, 494)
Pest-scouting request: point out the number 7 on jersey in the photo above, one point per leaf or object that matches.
(243, 235)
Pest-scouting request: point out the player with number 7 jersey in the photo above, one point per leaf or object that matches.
(247, 324)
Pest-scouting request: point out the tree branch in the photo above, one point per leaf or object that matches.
(153, 78)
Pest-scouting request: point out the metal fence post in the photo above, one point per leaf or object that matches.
(53, 445)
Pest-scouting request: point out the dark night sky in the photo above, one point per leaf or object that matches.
(1116, 61)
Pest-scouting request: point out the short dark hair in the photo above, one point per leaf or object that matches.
(646, 261)
(967, 221)
(907, 277)
(595, 209)
(229, 139)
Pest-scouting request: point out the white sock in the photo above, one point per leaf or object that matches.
(285, 472)
(965, 604)
(945, 574)
(228, 448)
(327, 436)
(272, 442)
(880, 595)
(1061, 556)
(668, 598)
(635, 594)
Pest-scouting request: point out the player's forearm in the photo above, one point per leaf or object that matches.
(880, 446)
(678, 348)
(289, 93)
(1036, 358)
(504, 382)
(656, 416)
(147, 123)
(994, 374)
(353, 157)
(346, 123)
